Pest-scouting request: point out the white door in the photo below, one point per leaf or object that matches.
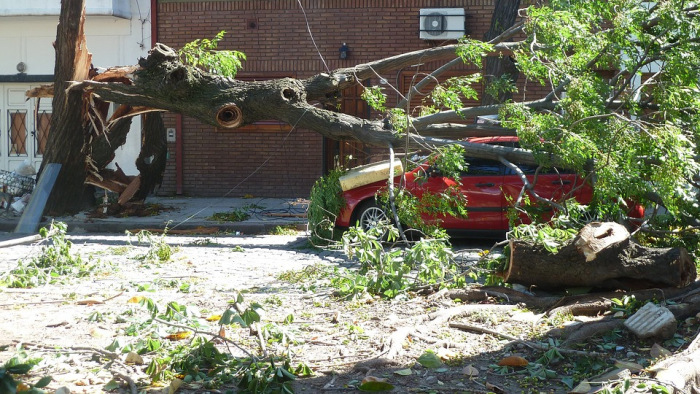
(24, 127)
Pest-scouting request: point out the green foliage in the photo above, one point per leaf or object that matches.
(202, 53)
(489, 268)
(627, 304)
(449, 161)
(390, 272)
(54, 264)
(374, 97)
(669, 233)
(500, 85)
(636, 131)
(236, 215)
(399, 120)
(20, 364)
(452, 93)
(285, 230)
(199, 362)
(325, 204)
(472, 51)
(159, 251)
(551, 238)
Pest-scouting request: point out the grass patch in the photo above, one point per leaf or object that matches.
(236, 215)
(289, 229)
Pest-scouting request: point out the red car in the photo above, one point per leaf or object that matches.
(486, 185)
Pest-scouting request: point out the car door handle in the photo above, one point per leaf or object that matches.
(484, 185)
(561, 182)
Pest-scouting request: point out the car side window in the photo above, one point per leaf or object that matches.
(529, 169)
(482, 167)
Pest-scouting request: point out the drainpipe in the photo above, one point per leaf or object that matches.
(178, 154)
(154, 22)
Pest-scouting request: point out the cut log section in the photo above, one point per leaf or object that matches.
(370, 173)
(601, 258)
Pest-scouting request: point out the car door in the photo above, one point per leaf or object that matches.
(481, 185)
(555, 184)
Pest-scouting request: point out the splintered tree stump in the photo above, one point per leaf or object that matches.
(603, 255)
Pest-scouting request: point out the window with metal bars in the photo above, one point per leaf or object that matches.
(18, 133)
(41, 133)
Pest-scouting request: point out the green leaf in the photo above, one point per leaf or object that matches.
(113, 346)
(430, 360)
(43, 382)
(375, 386)
(111, 385)
(20, 369)
(404, 372)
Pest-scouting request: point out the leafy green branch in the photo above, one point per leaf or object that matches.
(203, 54)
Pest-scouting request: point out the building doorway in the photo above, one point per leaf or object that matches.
(24, 127)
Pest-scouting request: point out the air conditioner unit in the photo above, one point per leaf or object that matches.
(441, 23)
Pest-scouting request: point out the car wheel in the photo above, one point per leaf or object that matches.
(370, 214)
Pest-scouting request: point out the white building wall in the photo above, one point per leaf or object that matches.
(118, 33)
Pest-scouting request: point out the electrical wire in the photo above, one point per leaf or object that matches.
(308, 28)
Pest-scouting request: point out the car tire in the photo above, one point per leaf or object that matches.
(369, 214)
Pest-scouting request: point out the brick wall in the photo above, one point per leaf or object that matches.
(273, 34)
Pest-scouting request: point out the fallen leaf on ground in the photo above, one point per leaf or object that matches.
(133, 358)
(446, 354)
(374, 384)
(494, 388)
(513, 361)
(659, 351)
(178, 336)
(90, 301)
(404, 372)
(582, 387)
(174, 386)
(470, 371)
(135, 299)
(430, 360)
(633, 367)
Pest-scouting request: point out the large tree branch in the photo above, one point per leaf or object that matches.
(164, 83)
(323, 87)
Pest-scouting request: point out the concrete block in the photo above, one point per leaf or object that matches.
(652, 320)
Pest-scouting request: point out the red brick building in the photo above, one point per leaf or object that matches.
(271, 159)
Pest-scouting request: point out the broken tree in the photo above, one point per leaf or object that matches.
(608, 124)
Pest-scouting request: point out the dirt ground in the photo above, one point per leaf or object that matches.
(342, 341)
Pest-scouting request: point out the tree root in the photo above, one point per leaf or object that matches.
(530, 344)
(584, 304)
(132, 386)
(681, 370)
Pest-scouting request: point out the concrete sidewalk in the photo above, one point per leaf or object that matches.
(188, 213)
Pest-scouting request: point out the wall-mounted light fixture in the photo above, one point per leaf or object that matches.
(344, 51)
(21, 67)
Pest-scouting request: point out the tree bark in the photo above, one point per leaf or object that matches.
(623, 265)
(164, 83)
(504, 14)
(66, 136)
(152, 159)
(681, 370)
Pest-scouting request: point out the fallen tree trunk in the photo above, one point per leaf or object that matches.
(603, 255)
